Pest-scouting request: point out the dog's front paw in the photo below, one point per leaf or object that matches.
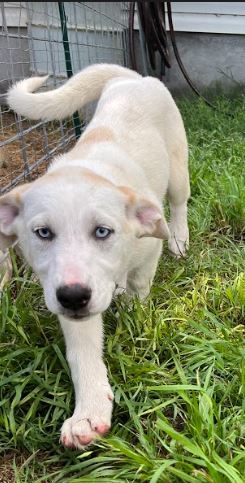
(93, 420)
(178, 242)
(178, 247)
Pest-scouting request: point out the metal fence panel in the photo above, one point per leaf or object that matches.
(32, 43)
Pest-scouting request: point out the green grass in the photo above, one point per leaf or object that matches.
(175, 364)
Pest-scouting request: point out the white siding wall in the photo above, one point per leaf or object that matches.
(94, 31)
(213, 17)
(208, 17)
(14, 13)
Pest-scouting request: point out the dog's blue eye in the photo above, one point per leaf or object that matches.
(44, 233)
(102, 232)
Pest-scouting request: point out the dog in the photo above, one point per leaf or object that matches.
(94, 221)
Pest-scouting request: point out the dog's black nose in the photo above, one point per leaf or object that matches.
(73, 297)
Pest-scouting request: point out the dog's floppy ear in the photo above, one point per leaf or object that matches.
(146, 216)
(10, 208)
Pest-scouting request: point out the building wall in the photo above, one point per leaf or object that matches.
(211, 41)
(209, 17)
(14, 47)
(94, 31)
(213, 61)
(31, 38)
(14, 58)
(210, 38)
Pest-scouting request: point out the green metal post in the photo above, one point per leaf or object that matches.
(76, 119)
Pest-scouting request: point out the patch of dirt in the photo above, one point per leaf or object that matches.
(21, 461)
(30, 147)
(6, 467)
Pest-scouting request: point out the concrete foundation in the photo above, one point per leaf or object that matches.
(211, 60)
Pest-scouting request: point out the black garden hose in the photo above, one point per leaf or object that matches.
(178, 58)
(152, 18)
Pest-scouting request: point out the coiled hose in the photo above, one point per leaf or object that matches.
(152, 22)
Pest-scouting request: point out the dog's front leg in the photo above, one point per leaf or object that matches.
(93, 408)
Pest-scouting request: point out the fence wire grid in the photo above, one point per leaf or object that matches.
(55, 38)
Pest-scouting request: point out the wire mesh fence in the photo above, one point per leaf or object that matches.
(59, 39)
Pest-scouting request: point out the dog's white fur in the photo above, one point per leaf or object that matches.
(132, 154)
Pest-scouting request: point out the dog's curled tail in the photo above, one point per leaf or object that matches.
(60, 103)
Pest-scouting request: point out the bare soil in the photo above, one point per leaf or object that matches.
(31, 147)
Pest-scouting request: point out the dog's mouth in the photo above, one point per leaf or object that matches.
(77, 316)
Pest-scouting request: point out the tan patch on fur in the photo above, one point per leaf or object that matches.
(14, 196)
(75, 173)
(19, 191)
(96, 178)
(130, 194)
(65, 172)
(97, 135)
(80, 151)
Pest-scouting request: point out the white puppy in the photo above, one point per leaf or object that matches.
(95, 220)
